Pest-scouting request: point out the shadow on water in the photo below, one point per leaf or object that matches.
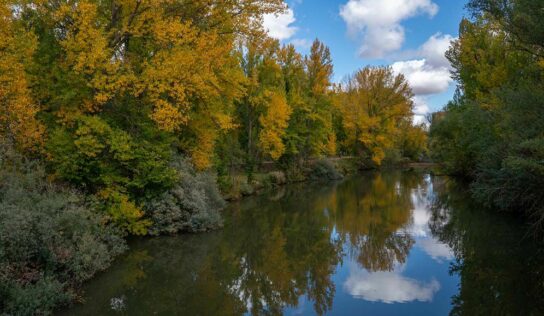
(381, 243)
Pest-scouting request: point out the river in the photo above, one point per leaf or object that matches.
(388, 243)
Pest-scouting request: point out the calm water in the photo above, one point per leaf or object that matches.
(393, 243)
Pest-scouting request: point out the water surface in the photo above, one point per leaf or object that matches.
(391, 243)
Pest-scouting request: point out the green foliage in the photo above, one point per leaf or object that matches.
(493, 131)
(324, 169)
(50, 239)
(192, 205)
(458, 137)
(96, 155)
(120, 169)
(277, 178)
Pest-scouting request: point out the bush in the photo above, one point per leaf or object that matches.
(50, 240)
(518, 184)
(325, 169)
(348, 166)
(192, 205)
(277, 177)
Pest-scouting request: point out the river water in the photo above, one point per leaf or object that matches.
(388, 243)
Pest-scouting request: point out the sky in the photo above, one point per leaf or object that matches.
(411, 36)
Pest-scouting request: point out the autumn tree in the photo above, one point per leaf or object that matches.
(373, 102)
(263, 111)
(310, 129)
(18, 110)
(122, 86)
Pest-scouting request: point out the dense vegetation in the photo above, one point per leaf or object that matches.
(493, 131)
(120, 117)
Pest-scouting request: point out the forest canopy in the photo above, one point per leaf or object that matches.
(124, 116)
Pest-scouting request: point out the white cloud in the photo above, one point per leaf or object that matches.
(436, 250)
(279, 25)
(434, 50)
(430, 73)
(421, 109)
(420, 106)
(424, 78)
(389, 287)
(379, 22)
(301, 43)
(420, 217)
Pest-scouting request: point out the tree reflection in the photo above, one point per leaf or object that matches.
(282, 250)
(289, 248)
(273, 251)
(371, 216)
(499, 266)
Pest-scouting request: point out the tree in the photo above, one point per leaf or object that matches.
(492, 131)
(18, 110)
(373, 102)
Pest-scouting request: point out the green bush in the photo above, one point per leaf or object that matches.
(192, 205)
(277, 177)
(50, 239)
(325, 169)
(518, 184)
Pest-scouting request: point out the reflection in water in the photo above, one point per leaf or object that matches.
(389, 287)
(501, 268)
(382, 243)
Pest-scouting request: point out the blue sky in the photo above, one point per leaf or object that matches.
(409, 35)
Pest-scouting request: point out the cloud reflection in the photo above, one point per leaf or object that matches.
(438, 251)
(389, 287)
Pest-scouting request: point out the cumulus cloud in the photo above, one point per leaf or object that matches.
(379, 22)
(423, 77)
(279, 25)
(389, 287)
(434, 50)
(430, 73)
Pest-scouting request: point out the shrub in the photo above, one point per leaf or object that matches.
(325, 169)
(347, 166)
(277, 177)
(192, 205)
(50, 239)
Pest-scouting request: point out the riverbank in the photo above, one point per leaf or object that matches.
(239, 185)
(45, 259)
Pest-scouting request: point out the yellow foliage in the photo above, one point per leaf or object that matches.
(17, 109)
(373, 103)
(274, 123)
(167, 116)
(162, 53)
(330, 147)
(206, 135)
(124, 212)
